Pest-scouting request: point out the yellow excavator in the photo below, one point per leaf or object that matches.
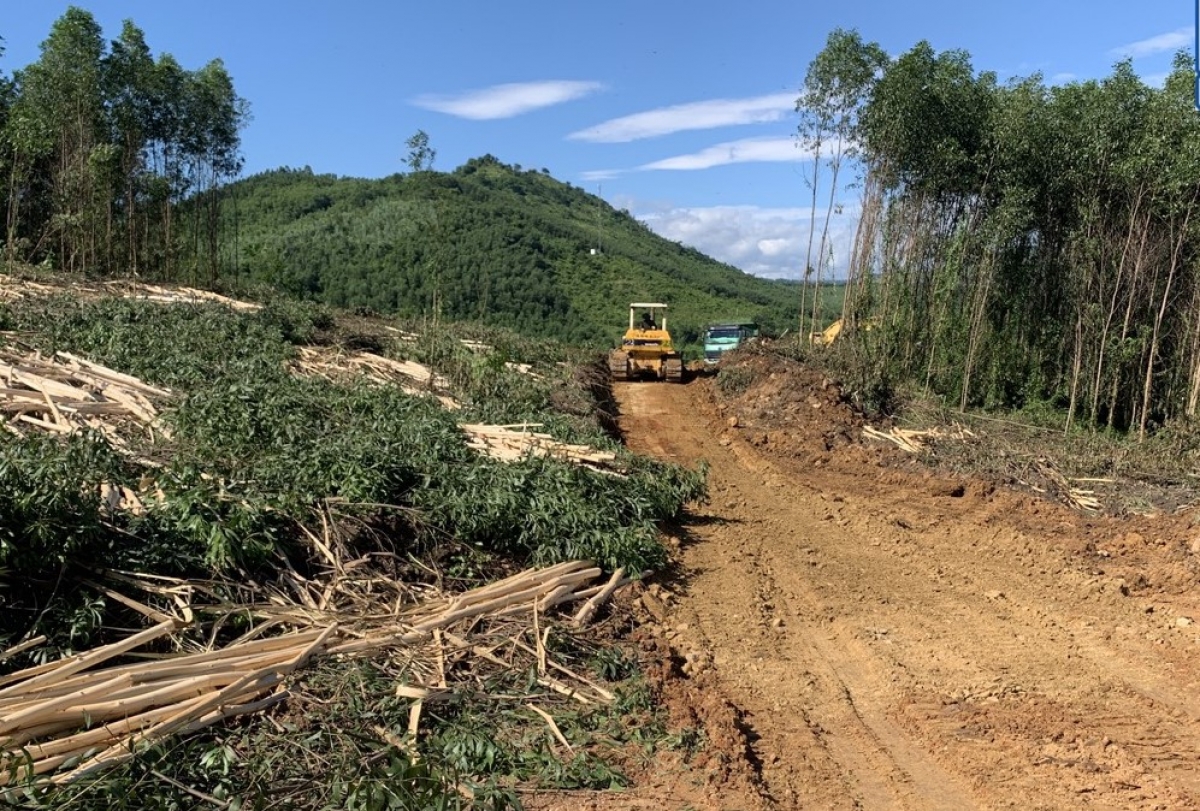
(832, 332)
(646, 350)
(827, 335)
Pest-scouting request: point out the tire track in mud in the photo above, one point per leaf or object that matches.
(892, 650)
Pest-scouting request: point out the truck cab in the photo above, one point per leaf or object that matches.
(721, 338)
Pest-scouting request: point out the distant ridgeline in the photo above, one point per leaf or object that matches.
(488, 242)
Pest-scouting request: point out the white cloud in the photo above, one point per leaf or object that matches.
(1171, 41)
(768, 242)
(602, 174)
(507, 100)
(698, 115)
(1158, 80)
(1062, 78)
(747, 150)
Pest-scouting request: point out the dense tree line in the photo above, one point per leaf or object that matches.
(101, 145)
(1021, 242)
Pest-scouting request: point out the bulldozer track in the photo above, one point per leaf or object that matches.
(618, 366)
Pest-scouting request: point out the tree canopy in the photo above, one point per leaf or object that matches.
(1023, 243)
(101, 142)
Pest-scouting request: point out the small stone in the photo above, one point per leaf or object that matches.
(777, 623)
(994, 594)
(1183, 622)
(732, 422)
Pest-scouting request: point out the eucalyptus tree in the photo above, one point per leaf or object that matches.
(923, 133)
(99, 147)
(420, 155)
(838, 82)
(129, 90)
(1035, 243)
(58, 117)
(213, 117)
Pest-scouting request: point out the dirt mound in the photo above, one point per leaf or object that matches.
(799, 417)
(786, 407)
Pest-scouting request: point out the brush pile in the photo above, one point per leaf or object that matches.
(66, 720)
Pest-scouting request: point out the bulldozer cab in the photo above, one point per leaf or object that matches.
(647, 324)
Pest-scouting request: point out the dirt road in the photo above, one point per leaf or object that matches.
(884, 639)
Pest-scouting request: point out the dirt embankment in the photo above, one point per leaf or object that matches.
(849, 631)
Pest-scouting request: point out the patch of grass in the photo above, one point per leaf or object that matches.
(734, 380)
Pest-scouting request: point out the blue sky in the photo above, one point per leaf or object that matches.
(680, 113)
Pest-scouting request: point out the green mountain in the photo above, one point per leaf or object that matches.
(486, 242)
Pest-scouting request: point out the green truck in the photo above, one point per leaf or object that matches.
(720, 338)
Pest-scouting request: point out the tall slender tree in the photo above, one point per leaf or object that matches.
(837, 84)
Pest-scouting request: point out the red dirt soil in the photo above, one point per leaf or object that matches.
(851, 631)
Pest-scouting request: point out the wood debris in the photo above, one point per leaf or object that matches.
(183, 295)
(66, 720)
(1076, 497)
(475, 346)
(905, 439)
(66, 393)
(916, 441)
(413, 378)
(522, 368)
(14, 289)
(510, 443)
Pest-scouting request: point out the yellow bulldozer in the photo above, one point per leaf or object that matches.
(646, 350)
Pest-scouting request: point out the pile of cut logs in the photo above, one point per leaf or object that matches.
(183, 295)
(412, 377)
(13, 289)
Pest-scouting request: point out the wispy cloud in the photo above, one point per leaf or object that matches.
(768, 242)
(1062, 78)
(698, 115)
(507, 100)
(1171, 41)
(602, 174)
(747, 150)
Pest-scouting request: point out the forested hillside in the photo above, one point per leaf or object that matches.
(121, 162)
(487, 242)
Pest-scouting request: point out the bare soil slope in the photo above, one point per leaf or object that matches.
(853, 632)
